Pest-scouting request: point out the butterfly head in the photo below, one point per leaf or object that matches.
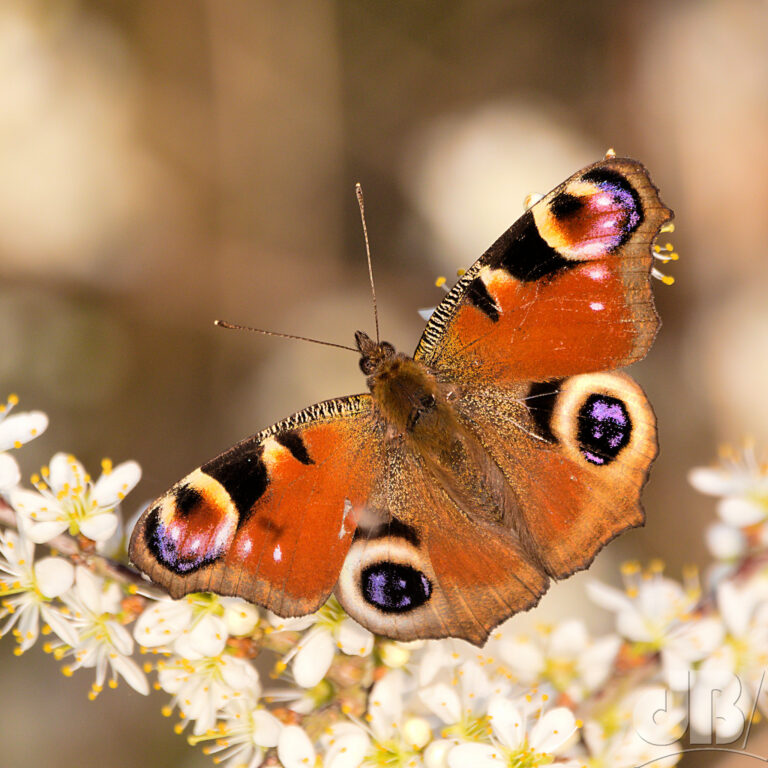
(372, 353)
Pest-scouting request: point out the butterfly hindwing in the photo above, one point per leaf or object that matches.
(564, 290)
(272, 518)
(420, 567)
(576, 453)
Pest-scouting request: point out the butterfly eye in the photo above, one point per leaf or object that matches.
(367, 365)
(387, 350)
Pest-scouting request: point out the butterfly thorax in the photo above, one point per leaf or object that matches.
(407, 396)
(416, 410)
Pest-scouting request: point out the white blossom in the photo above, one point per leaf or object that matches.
(19, 428)
(242, 735)
(10, 474)
(346, 746)
(205, 686)
(15, 430)
(197, 624)
(742, 482)
(103, 644)
(736, 668)
(642, 728)
(563, 656)
(294, 748)
(67, 499)
(27, 589)
(516, 739)
(329, 629)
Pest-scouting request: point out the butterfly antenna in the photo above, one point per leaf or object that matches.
(236, 327)
(361, 205)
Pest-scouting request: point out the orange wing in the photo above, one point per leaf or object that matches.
(271, 519)
(565, 290)
(576, 454)
(421, 567)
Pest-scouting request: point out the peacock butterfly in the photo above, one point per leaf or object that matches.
(507, 451)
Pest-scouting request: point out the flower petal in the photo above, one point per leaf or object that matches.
(725, 542)
(20, 428)
(89, 588)
(385, 704)
(294, 748)
(436, 656)
(207, 637)
(35, 506)
(65, 470)
(313, 659)
(241, 618)
(443, 701)
(714, 481)
(607, 597)
(740, 512)
(524, 658)
(291, 624)
(54, 575)
(99, 527)
(474, 684)
(111, 487)
(736, 606)
(436, 754)
(162, 622)
(10, 474)
(568, 639)
(42, 533)
(119, 636)
(507, 722)
(131, 673)
(60, 624)
(553, 730)
(353, 639)
(266, 728)
(632, 625)
(348, 748)
(595, 663)
(475, 755)
(240, 675)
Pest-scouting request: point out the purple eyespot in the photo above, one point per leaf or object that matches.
(183, 547)
(394, 587)
(604, 428)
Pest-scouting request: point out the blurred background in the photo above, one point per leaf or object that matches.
(167, 162)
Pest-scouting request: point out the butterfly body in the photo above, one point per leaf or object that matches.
(504, 453)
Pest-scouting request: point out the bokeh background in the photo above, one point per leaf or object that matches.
(167, 162)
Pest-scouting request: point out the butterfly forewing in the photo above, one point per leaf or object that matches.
(272, 518)
(564, 290)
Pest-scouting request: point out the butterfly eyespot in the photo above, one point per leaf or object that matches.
(604, 428)
(394, 587)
